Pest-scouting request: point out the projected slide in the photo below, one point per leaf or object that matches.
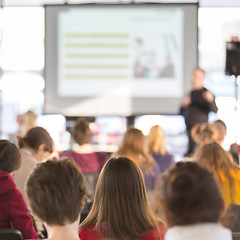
(132, 52)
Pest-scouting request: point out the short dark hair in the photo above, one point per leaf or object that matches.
(35, 137)
(56, 191)
(81, 132)
(189, 194)
(10, 158)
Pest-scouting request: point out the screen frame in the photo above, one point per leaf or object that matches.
(136, 102)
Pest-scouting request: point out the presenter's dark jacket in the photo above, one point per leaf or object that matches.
(199, 108)
(13, 210)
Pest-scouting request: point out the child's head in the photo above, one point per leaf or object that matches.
(81, 132)
(10, 158)
(56, 191)
(190, 195)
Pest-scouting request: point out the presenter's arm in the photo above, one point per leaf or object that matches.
(211, 100)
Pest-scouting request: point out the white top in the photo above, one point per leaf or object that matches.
(203, 231)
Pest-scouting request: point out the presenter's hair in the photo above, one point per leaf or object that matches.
(35, 137)
(56, 191)
(189, 194)
(10, 158)
(200, 69)
(121, 202)
(81, 132)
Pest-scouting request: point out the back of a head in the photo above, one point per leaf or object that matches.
(35, 137)
(10, 158)
(219, 132)
(121, 202)
(56, 190)
(29, 120)
(202, 133)
(81, 132)
(156, 140)
(190, 195)
(133, 142)
(213, 157)
(222, 123)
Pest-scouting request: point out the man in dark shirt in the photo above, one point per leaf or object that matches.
(196, 107)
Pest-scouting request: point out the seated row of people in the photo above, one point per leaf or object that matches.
(152, 158)
(189, 196)
(134, 146)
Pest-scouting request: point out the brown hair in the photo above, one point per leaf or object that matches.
(81, 132)
(156, 140)
(134, 146)
(202, 133)
(35, 137)
(10, 158)
(121, 202)
(217, 160)
(189, 194)
(56, 190)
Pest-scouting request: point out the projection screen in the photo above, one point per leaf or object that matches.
(116, 59)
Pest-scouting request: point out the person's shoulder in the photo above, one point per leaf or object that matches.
(155, 233)
(89, 233)
(67, 153)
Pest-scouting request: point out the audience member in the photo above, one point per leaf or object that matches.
(13, 210)
(35, 147)
(227, 173)
(27, 121)
(57, 200)
(202, 133)
(221, 131)
(192, 204)
(157, 148)
(120, 209)
(84, 155)
(134, 146)
(231, 218)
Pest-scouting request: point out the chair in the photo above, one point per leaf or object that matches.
(10, 234)
(236, 235)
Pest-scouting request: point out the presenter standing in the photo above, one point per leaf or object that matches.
(196, 107)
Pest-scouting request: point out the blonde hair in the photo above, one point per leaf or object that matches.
(134, 146)
(28, 121)
(156, 140)
(121, 202)
(219, 132)
(217, 160)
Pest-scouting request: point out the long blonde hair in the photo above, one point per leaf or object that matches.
(134, 146)
(156, 140)
(217, 160)
(121, 202)
(28, 121)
